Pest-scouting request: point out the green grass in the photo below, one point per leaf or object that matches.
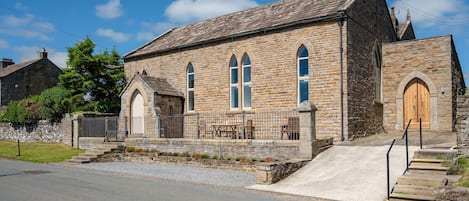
(464, 165)
(38, 152)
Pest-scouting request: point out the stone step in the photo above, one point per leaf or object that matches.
(451, 178)
(428, 166)
(427, 160)
(419, 171)
(77, 161)
(419, 181)
(398, 196)
(413, 190)
(91, 155)
(435, 154)
(84, 158)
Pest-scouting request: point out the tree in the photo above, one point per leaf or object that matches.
(94, 81)
(53, 104)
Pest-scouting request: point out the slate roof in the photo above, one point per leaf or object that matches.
(268, 17)
(161, 86)
(16, 67)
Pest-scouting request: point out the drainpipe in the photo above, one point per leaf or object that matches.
(340, 18)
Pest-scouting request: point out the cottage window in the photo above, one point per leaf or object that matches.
(246, 82)
(234, 102)
(190, 87)
(378, 74)
(303, 74)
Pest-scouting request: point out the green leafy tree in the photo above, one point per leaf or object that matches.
(15, 113)
(53, 103)
(94, 81)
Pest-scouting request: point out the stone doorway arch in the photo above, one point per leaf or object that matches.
(137, 114)
(433, 100)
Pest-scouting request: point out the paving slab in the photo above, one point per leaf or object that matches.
(345, 173)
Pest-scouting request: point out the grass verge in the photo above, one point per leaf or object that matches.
(38, 152)
(464, 167)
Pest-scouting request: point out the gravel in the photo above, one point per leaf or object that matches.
(228, 178)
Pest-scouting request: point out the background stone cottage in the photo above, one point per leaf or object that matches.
(351, 58)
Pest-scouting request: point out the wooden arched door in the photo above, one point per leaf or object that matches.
(417, 104)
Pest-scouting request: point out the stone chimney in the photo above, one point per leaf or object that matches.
(6, 62)
(43, 54)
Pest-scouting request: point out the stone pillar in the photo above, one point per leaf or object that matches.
(75, 131)
(308, 145)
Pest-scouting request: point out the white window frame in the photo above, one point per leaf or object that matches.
(190, 89)
(301, 78)
(243, 84)
(234, 84)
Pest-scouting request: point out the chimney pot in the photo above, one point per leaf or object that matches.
(6, 62)
(43, 53)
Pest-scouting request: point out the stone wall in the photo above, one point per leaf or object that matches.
(279, 149)
(42, 132)
(429, 60)
(368, 26)
(462, 124)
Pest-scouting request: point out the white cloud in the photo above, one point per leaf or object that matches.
(110, 10)
(151, 30)
(20, 6)
(145, 36)
(32, 52)
(4, 44)
(28, 26)
(190, 10)
(434, 12)
(113, 35)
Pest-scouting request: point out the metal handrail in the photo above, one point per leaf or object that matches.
(404, 135)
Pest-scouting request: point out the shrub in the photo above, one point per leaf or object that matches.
(53, 104)
(15, 113)
(130, 149)
(237, 158)
(196, 156)
(164, 153)
(176, 154)
(139, 150)
(205, 156)
(215, 157)
(185, 154)
(269, 159)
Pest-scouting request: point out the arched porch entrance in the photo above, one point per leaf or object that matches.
(417, 104)
(137, 120)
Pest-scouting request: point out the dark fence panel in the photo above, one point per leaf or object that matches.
(101, 126)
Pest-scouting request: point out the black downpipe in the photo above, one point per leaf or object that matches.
(340, 18)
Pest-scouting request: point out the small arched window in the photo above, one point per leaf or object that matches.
(303, 74)
(234, 96)
(190, 87)
(246, 82)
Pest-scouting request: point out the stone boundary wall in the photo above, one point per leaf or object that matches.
(44, 131)
(462, 124)
(278, 149)
(270, 173)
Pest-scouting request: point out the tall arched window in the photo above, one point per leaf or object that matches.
(378, 74)
(190, 87)
(246, 82)
(234, 102)
(303, 74)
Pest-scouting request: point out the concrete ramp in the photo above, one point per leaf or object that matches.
(345, 173)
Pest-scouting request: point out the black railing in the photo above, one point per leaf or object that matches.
(404, 136)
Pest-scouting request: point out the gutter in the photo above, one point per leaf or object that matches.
(232, 37)
(340, 19)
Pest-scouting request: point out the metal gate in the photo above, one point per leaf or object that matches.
(172, 126)
(100, 126)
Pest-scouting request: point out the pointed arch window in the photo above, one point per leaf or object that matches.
(303, 74)
(246, 82)
(234, 96)
(190, 88)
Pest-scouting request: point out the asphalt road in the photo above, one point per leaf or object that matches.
(28, 181)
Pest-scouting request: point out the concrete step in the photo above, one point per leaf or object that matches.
(420, 171)
(77, 161)
(398, 196)
(91, 155)
(88, 158)
(428, 160)
(428, 166)
(451, 178)
(413, 190)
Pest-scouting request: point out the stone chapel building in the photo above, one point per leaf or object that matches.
(364, 71)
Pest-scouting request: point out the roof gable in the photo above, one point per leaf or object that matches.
(271, 16)
(158, 85)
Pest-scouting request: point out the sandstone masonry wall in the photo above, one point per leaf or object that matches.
(426, 58)
(274, 72)
(462, 124)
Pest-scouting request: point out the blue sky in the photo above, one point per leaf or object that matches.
(26, 26)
